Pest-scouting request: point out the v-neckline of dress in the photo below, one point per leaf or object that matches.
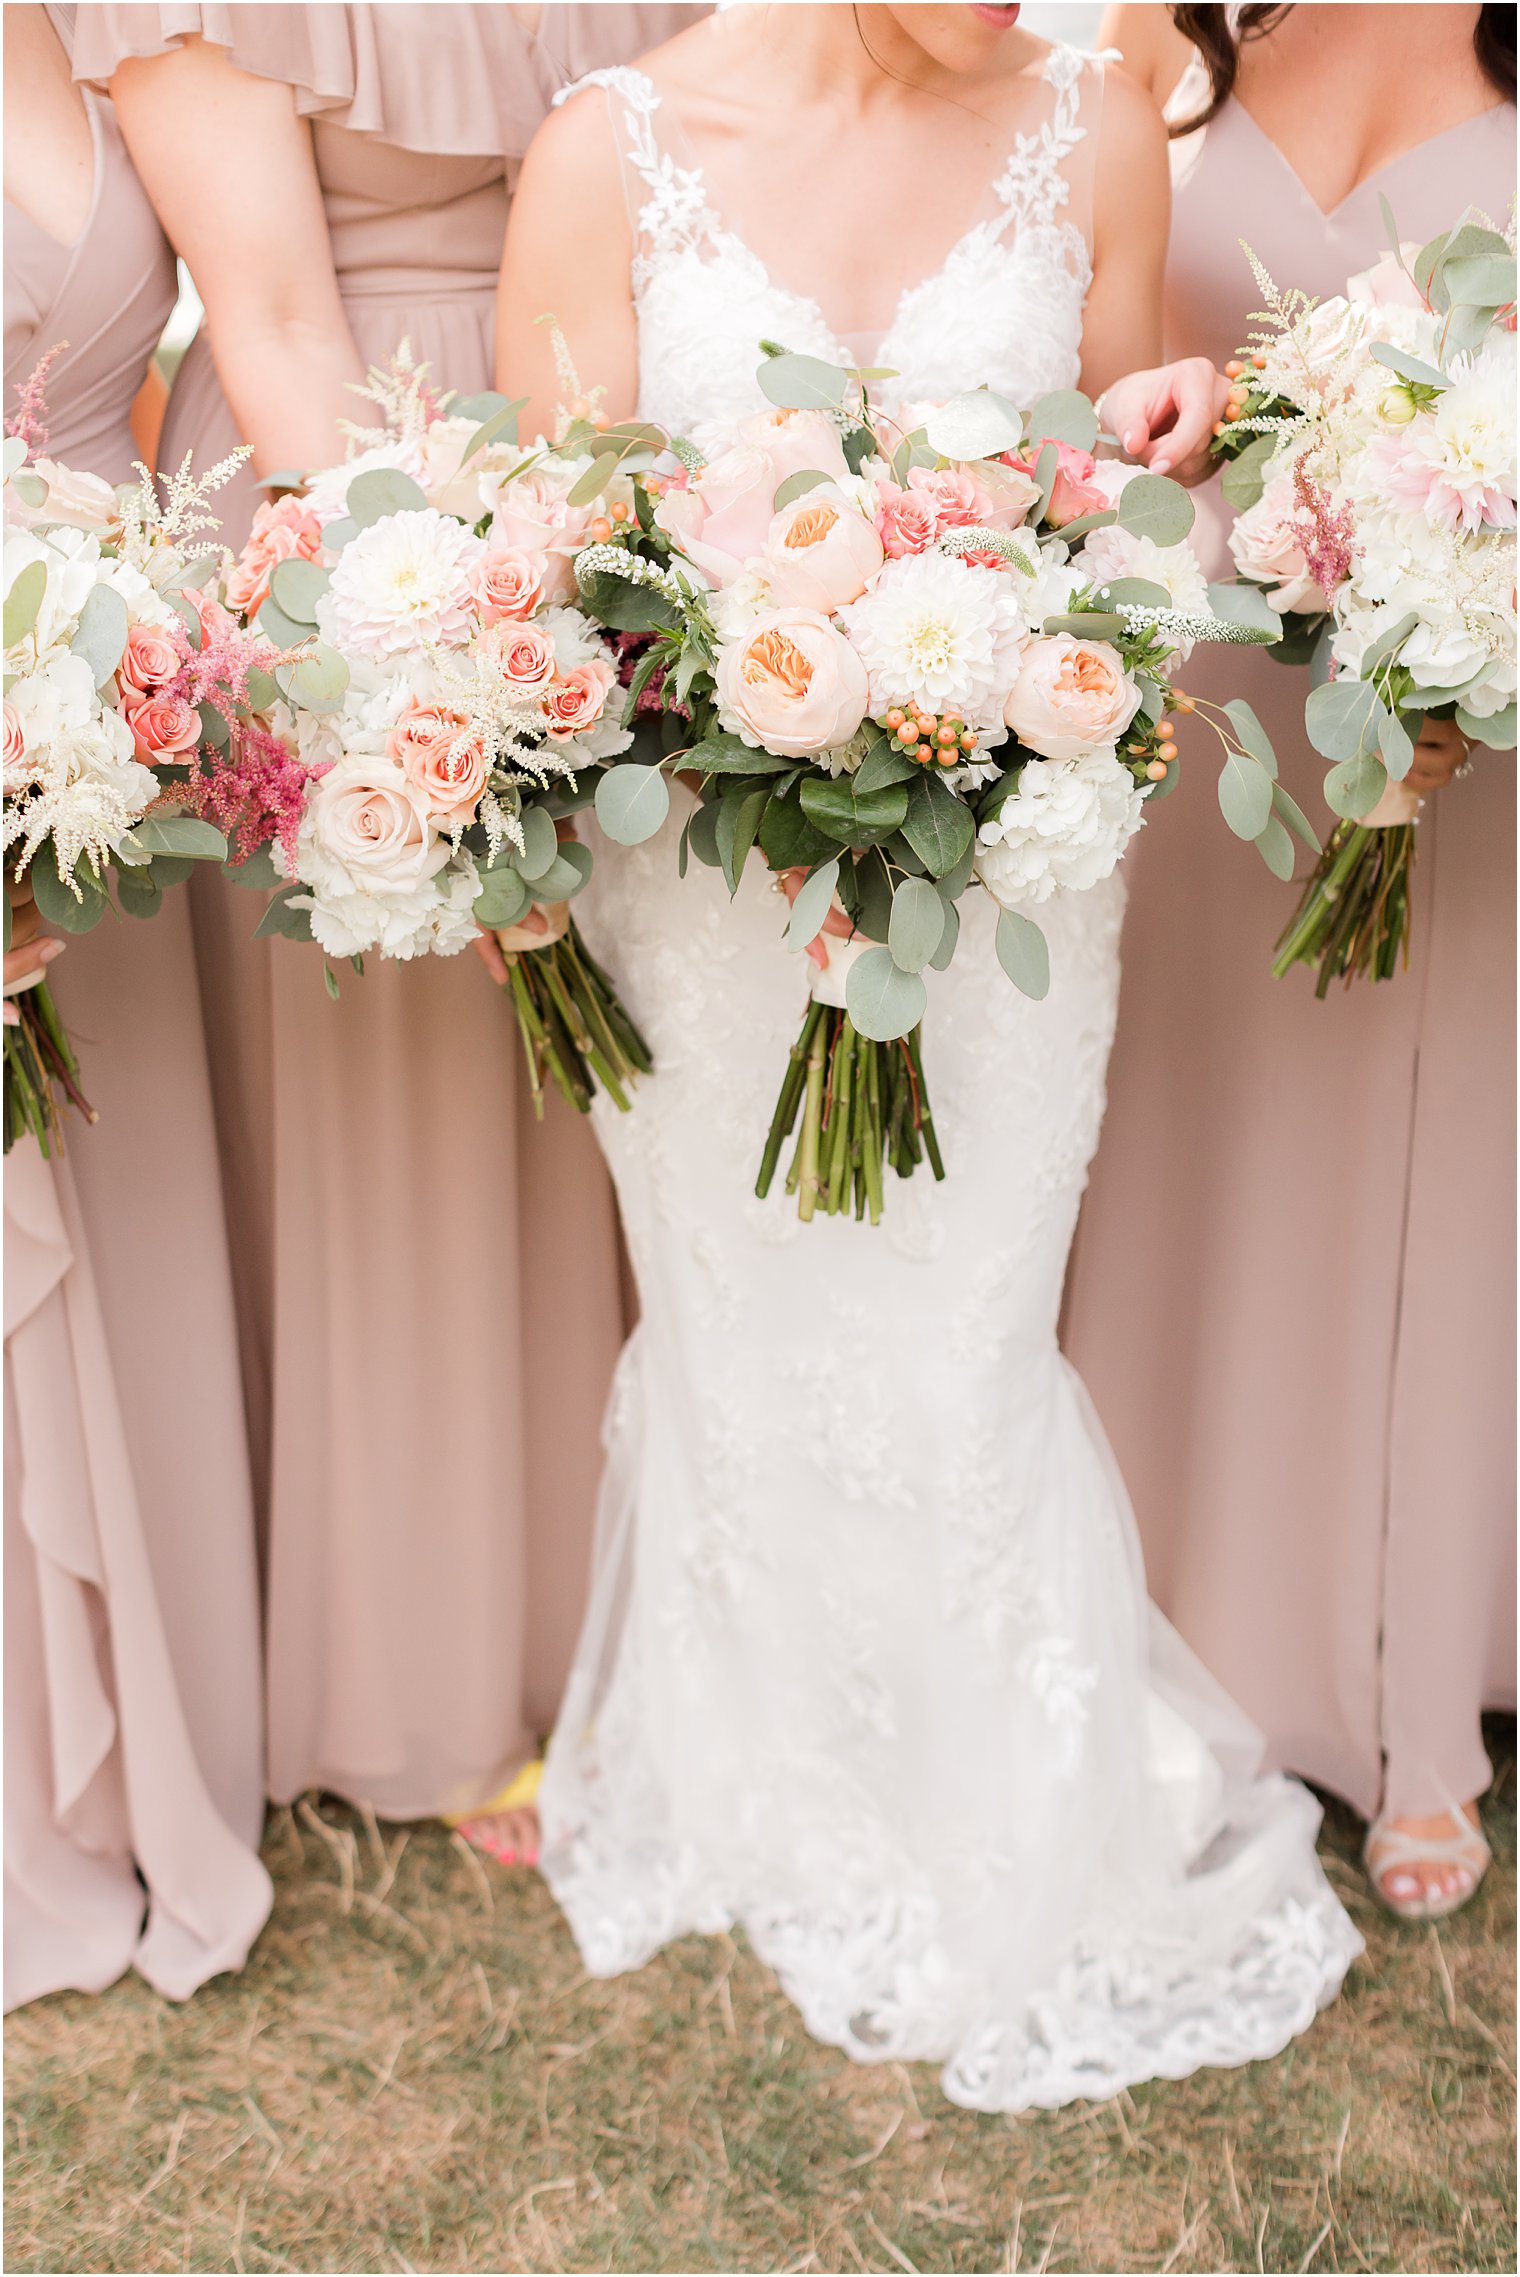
(1329, 215)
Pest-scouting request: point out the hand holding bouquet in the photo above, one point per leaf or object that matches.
(903, 658)
(131, 737)
(452, 706)
(1373, 446)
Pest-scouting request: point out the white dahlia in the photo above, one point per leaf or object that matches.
(1064, 829)
(941, 634)
(401, 586)
(1113, 552)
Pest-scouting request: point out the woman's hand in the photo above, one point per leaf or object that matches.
(1166, 418)
(31, 951)
(546, 923)
(1442, 751)
(836, 924)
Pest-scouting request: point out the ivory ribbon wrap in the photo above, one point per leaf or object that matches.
(828, 985)
(1398, 804)
(27, 980)
(556, 915)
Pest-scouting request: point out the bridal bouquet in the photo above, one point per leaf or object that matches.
(1372, 437)
(131, 737)
(452, 705)
(906, 657)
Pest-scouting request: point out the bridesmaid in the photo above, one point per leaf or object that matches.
(428, 1289)
(1302, 1213)
(134, 1787)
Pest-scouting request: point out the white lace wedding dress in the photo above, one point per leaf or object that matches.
(869, 1666)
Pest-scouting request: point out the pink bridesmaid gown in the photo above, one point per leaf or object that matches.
(134, 1791)
(1293, 1289)
(428, 1284)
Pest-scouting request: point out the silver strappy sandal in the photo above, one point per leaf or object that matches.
(1389, 1847)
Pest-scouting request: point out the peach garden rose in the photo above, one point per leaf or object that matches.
(1071, 697)
(821, 552)
(792, 685)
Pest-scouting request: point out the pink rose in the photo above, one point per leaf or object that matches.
(1071, 697)
(821, 552)
(1267, 547)
(365, 814)
(149, 659)
(957, 498)
(794, 685)
(1387, 284)
(508, 583)
(797, 442)
(440, 757)
(578, 701)
(15, 741)
(216, 622)
(1074, 492)
(906, 521)
(722, 521)
(534, 516)
(284, 529)
(163, 727)
(522, 654)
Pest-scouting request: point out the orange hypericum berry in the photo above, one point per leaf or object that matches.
(908, 733)
(601, 529)
(895, 717)
(1157, 770)
(1233, 368)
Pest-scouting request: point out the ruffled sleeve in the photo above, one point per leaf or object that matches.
(444, 80)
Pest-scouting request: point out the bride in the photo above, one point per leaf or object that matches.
(869, 1666)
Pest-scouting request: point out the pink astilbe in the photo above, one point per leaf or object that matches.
(254, 791)
(1326, 533)
(28, 422)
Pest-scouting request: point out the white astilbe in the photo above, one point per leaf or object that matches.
(400, 393)
(183, 513)
(77, 782)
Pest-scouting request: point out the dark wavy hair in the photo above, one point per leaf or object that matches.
(1219, 43)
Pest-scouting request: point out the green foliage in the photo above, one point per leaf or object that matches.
(101, 635)
(380, 491)
(812, 905)
(917, 924)
(1023, 953)
(23, 601)
(937, 825)
(867, 818)
(883, 1001)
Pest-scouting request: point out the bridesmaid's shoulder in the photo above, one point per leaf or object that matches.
(1155, 54)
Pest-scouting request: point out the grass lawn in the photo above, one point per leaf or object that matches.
(412, 2073)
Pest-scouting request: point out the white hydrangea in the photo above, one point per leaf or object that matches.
(941, 634)
(78, 781)
(1114, 552)
(402, 586)
(1064, 829)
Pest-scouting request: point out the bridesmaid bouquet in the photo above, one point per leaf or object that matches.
(452, 708)
(1372, 446)
(905, 657)
(131, 736)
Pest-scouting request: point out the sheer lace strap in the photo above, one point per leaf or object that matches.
(1047, 181)
(669, 208)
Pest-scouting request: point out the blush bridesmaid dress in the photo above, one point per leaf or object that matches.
(1293, 1292)
(134, 1791)
(428, 1285)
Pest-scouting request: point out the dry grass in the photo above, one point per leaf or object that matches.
(414, 2074)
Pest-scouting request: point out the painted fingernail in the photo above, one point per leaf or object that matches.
(47, 950)
(1159, 466)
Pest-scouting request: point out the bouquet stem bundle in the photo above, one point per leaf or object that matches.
(864, 1105)
(38, 1056)
(573, 1025)
(1354, 916)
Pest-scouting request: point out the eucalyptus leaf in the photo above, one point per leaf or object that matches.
(498, 426)
(1024, 953)
(257, 871)
(477, 407)
(565, 876)
(1481, 280)
(739, 814)
(814, 900)
(282, 920)
(873, 894)
(1496, 729)
(1465, 330)
(1408, 367)
(1047, 466)
(101, 635)
(1388, 644)
(318, 680)
(1251, 733)
(1139, 592)
(1164, 785)
(1245, 794)
(170, 870)
(1245, 605)
(130, 852)
(729, 755)
(1354, 787)
(1064, 416)
(383, 490)
(1341, 718)
(1396, 746)
(940, 961)
(263, 689)
(540, 844)
(13, 460)
(937, 825)
(632, 803)
(23, 600)
(297, 587)
(277, 627)
(1153, 506)
(56, 904)
(1072, 531)
(1287, 809)
(1245, 478)
(30, 489)
(917, 924)
(1322, 655)
(883, 1001)
(502, 900)
(1276, 849)
(802, 383)
(797, 486)
(1087, 624)
(180, 834)
(138, 893)
(629, 608)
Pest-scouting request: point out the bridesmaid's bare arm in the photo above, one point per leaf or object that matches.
(1155, 53)
(567, 256)
(227, 160)
(1163, 414)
